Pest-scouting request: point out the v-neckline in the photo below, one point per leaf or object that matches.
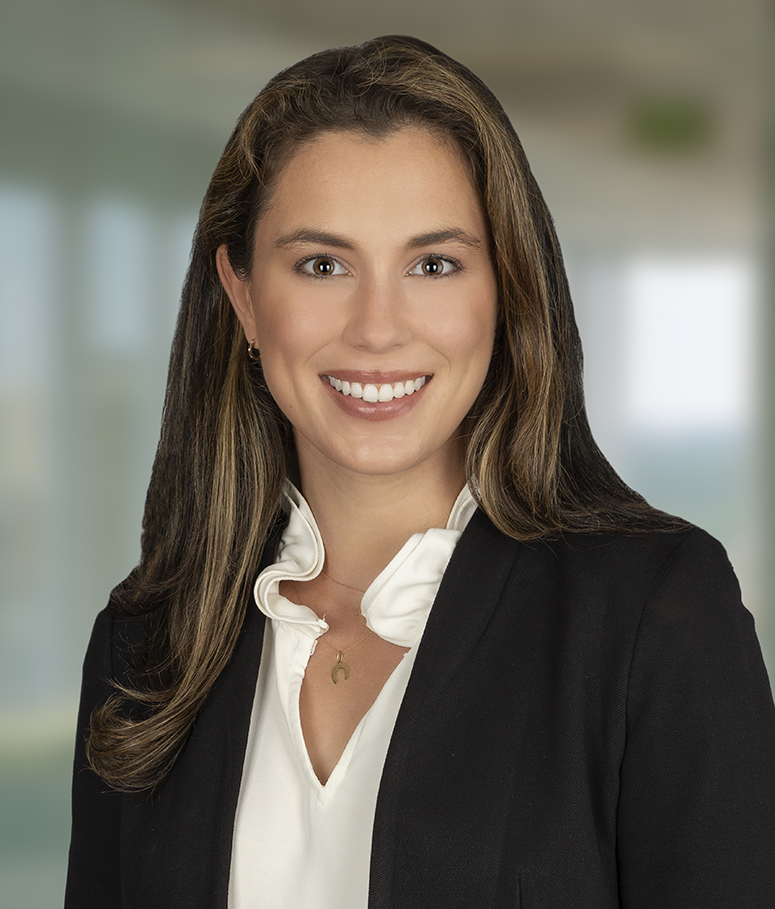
(325, 791)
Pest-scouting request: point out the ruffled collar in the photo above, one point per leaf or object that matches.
(398, 601)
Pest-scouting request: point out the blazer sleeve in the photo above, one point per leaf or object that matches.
(93, 875)
(696, 818)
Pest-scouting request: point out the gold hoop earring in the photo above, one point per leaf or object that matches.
(253, 352)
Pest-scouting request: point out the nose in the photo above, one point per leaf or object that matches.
(377, 318)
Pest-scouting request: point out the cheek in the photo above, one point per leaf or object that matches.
(480, 337)
(282, 337)
(469, 333)
(292, 325)
(289, 338)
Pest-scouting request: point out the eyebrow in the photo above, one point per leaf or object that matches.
(445, 235)
(323, 238)
(320, 237)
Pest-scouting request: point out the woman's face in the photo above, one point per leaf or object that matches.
(372, 300)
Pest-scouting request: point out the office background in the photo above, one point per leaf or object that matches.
(649, 127)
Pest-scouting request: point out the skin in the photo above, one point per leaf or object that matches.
(371, 264)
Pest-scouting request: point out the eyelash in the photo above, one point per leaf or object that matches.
(449, 260)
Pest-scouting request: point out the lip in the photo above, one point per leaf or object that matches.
(386, 410)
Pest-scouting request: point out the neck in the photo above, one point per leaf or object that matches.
(365, 520)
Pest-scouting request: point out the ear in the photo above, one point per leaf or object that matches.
(238, 291)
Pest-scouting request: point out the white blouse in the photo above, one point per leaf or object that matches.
(299, 844)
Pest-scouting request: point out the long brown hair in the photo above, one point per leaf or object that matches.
(217, 480)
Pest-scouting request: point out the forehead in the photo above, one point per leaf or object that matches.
(410, 175)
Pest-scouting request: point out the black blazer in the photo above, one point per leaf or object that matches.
(588, 725)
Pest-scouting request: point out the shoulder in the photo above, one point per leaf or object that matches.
(642, 562)
(651, 551)
(627, 587)
(680, 565)
(672, 577)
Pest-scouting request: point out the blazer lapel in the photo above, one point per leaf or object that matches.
(467, 596)
(473, 583)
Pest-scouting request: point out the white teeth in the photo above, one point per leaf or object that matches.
(374, 394)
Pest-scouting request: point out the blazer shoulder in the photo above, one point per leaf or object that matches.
(638, 579)
(649, 557)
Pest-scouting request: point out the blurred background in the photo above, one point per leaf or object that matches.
(649, 126)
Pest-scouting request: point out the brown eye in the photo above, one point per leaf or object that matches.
(437, 266)
(322, 266)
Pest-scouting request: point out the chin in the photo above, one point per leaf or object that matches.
(391, 459)
(380, 467)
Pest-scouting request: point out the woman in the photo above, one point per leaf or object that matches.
(491, 674)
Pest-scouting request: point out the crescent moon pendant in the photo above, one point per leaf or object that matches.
(340, 664)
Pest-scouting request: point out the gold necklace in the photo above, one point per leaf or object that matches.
(334, 580)
(340, 663)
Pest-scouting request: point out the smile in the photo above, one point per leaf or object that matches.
(377, 394)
